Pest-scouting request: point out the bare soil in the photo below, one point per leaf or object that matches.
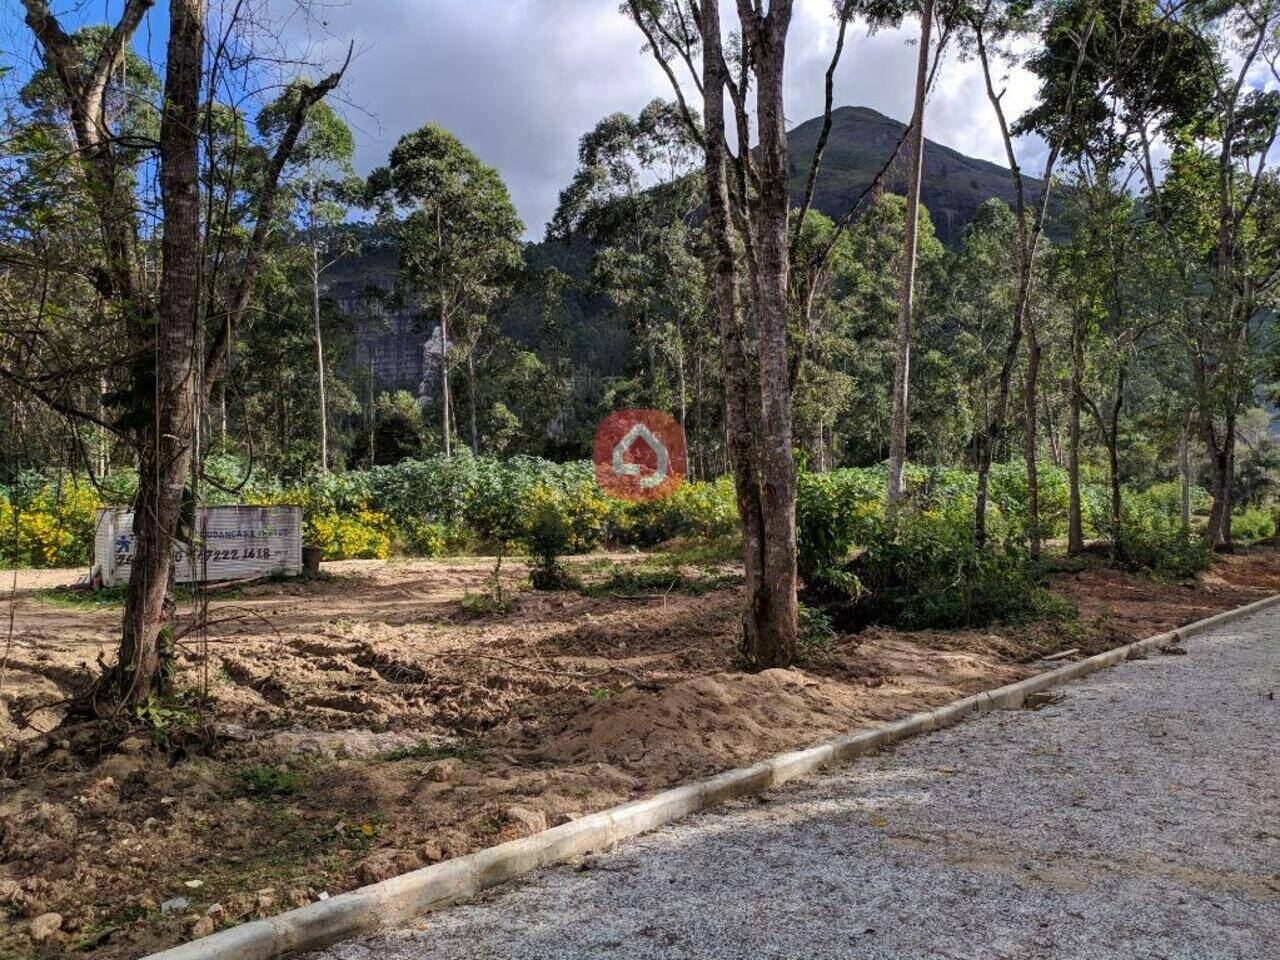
(365, 724)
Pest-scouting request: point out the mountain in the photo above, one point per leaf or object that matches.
(953, 185)
(390, 336)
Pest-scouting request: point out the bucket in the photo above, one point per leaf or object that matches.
(311, 557)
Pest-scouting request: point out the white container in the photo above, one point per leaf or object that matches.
(231, 543)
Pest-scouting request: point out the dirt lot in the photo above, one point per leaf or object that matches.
(366, 723)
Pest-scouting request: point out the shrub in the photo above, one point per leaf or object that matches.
(428, 538)
(1253, 525)
(50, 526)
(364, 536)
(548, 535)
(704, 510)
(815, 631)
(834, 513)
(1009, 495)
(930, 573)
(1163, 550)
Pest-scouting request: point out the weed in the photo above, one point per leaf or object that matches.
(265, 781)
(624, 580)
(170, 718)
(486, 604)
(426, 750)
(80, 598)
(815, 632)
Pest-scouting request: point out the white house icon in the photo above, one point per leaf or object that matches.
(622, 469)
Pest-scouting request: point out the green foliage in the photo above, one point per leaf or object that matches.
(1253, 525)
(47, 523)
(665, 574)
(815, 632)
(1009, 495)
(704, 511)
(834, 513)
(486, 604)
(265, 781)
(169, 718)
(79, 598)
(363, 535)
(929, 573)
(1163, 550)
(426, 750)
(547, 536)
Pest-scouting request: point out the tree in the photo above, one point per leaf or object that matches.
(992, 26)
(323, 184)
(1189, 75)
(748, 203)
(459, 241)
(906, 296)
(171, 360)
(634, 196)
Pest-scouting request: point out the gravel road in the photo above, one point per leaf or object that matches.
(1137, 818)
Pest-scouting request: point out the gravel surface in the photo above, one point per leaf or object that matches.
(1139, 817)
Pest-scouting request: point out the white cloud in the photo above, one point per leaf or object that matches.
(520, 81)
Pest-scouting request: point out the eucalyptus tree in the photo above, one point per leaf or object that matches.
(993, 31)
(323, 185)
(907, 270)
(1115, 283)
(151, 286)
(1193, 77)
(634, 196)
(460, 244)
(747, 203)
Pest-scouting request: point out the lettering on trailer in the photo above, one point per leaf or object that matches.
(232, 543)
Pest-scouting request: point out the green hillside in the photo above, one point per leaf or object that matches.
(953, 186)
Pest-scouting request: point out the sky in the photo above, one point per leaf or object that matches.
(520, 81)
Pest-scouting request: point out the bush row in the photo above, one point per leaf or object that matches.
(441, 506)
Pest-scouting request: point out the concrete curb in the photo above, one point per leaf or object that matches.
(411, 894)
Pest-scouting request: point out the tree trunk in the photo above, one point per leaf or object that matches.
(315, 316)
(446, 400)
(165, 460)
(774, 643)
(1075, 521)
(1031, 422)
(471, 400)
(906, 294)
(1113, 471)
(740, 445)
(1184, 475)
(1051, 428)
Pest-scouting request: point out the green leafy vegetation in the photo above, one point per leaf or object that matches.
(263, 781)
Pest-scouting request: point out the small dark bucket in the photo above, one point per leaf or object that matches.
(311, 557)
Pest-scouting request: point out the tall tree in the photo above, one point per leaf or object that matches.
(992, 27)
(634, 196)
(171, 361)
(748, 205)
(323, 184)
(1193, 76)
(906, 295)
(459, 242)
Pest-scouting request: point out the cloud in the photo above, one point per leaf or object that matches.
(519, 81)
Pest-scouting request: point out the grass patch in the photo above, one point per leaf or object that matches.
(486, 604)
(426, 750)
(268, 781)
(651, 579)
(82, 598)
